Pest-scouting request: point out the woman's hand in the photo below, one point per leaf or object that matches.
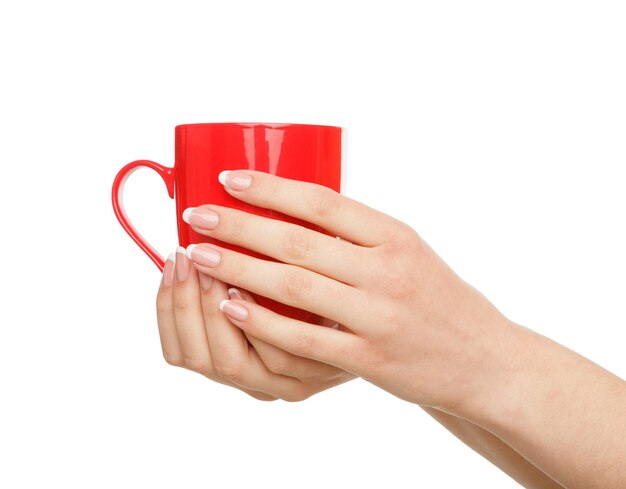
(196, 335)
(408, 323)
(413, 327)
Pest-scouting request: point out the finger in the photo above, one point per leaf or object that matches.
(326, 345)
(284, 363)
(281, 240)
(313, 203)
(284, 283)
(233, 360)
(165, 315)
(188, 317)
(188, 324)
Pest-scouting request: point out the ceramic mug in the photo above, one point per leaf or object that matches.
(307, 152)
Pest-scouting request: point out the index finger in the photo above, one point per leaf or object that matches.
(320, 205)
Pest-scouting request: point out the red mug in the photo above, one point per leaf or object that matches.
(307, 152)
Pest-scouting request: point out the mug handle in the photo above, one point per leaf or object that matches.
(117, 197)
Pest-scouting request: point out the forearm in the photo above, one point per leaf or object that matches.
(495, 450)
(560, 411)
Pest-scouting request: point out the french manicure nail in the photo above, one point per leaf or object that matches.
(234, 310)
(234, 293)
(203, 255)
(235, 180)
(168, 270)
(205, 281)
(201, 217)
(182, 264)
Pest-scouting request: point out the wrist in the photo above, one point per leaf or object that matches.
(522, 373)
(506, 372)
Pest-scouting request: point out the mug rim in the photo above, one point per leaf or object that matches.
(269, 124)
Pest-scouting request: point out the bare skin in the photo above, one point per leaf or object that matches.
(542, 413)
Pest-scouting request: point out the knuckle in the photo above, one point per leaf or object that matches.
(404, 230)
(235, 266)
(164, 302)
(295, 285)
(279, 366)
(399, 259)
(181, 304)
(297, 243)
(163, 308)
(233, 373)
(302, 344)
(404, 240)
(397, 284)
(325, 201)
(378, 359)
(170, 359)
(271, 184)
(181, 300)
(200, 365)
(297, 395)
(392, 324)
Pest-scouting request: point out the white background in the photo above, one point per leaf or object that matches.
(496, 129)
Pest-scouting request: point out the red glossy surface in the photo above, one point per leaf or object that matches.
(304, 152)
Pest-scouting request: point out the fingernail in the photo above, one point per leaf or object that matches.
(233, 310)
(201, 217)
(182, 264)
(235, 180)
(202, 255)
(234, 293)
(168, 270)
(205, 281)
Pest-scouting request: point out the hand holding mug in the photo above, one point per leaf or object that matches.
(197, 336)
(408, 323)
